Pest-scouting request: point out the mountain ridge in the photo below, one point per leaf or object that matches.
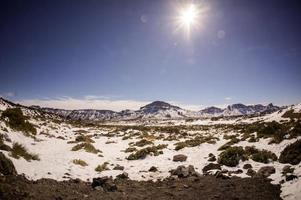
(156, 110)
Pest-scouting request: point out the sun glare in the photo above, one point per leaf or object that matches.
(189, 17)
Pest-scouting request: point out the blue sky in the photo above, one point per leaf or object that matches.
(131, 51)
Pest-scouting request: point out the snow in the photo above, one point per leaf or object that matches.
(56, 156)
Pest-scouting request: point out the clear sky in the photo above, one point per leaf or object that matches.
(126, 52)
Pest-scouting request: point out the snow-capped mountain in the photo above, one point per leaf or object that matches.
(154, 110)
(239, 109)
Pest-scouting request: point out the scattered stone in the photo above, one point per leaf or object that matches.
(265, 171)
(183, 172)
(219, 174)
(211, 166)
(290, 177)
(106, 183)
(6, 166)
(251, 172)
(179, 158)
(247, 166)
(287, 169)
(239, 171)
(212, 159)
(118, 167)
(210, 155)
(123, 175)
(153, 169)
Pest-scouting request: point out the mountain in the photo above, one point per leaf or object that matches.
(211, 112)
(154, 110)
(238, 109)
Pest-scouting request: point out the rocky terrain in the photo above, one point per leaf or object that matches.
(253, 155)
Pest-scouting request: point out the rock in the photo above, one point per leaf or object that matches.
(106, 183)
(210, 155)
(290, 177)
(247, 166)
(123, 175)
(219, 174)
(6, 166)
(153, 169)
(183, 172)
(118, 167)
(212, 159)
(179, 158)
(239, 171)
(251, 172)
(211, 166)
(265, 171)
(287, 169)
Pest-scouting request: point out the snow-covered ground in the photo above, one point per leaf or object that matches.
(56, 155)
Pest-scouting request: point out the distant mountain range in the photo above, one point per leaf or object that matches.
(154, 110)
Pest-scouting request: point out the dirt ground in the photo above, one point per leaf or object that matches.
(206, 187)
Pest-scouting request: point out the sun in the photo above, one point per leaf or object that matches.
(189, 17)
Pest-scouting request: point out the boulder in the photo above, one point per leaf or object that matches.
(6, 166)
(290, 177)
(265, 171)
(123, 175)
(247, 166)
(179, 158)
(153, 169)
(118, 167)
(212, 159)
(106, 183)
(251, 172)
(211, 166)
(287, 169)
(183, 172)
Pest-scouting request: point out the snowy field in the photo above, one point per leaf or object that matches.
(54, 142)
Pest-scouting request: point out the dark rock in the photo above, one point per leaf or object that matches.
(179, 158)
(212, 159)
(6, 166)
(247, 166)
(239, 171)
(290, 177)
(287, 169)
(123, 175)
(219, 174)
(251, 172)
(105, 182)
(210, 155)
(265, 171)
(183, 172)
(153, 169)
(211, 166)
(118, 167)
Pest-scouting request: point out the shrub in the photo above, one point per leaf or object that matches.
(290, 114)
(84, 138)
(88, 147)
(130, 149)
(264, 156)
(19, 150)
(17, 121)
(195, 142)
(142, 153)
(102, 167)
(291, 154)
(3, 146)
(231, 156)
(80, 162)
(143, 142)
